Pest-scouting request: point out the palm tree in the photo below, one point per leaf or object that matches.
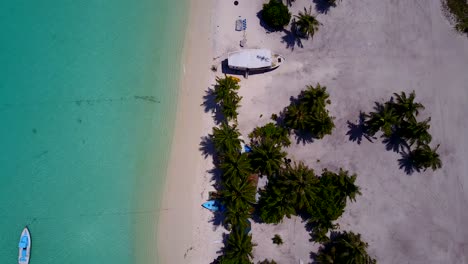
(238, 193)
(384, 118)
(224, 88)
(416, 132)
(271, 132)
(235, 166)
(315, 98)
(307, 25)
(267, 157)
(296, 117)
(320, 124)
(237, 217)
(229, 106)
(274, 205)
(300, 183)
(406, 108)
(345, 247)
(238, 249)
(226, 139)
(342, 183)
(423, 157)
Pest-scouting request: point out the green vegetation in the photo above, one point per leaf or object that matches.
(235, 166)
(236, 191)
(277, 240)
(397, 119)
(238, 249)
(272, 133)
(226, 139)
(293, 188)
(297, 190)
(308, 113)
(423, 157)
(226, 96)
(275, 14)
(267, 158)
(345, 247)
(306, 24)
(238, 194)
(459, 10)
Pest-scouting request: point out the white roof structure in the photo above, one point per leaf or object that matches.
(250, 59)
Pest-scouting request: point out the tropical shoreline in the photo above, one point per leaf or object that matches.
(178, 206)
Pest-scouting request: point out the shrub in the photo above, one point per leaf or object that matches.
(459, 9)
(277, 240)
(275, 14)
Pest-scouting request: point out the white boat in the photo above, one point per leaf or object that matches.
(24, 247)
(254, 59)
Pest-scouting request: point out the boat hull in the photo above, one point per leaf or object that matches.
(24, 247)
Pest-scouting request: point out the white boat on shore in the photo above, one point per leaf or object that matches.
(254, 60)
(24, 247)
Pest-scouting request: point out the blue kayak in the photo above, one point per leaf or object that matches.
(213, 206)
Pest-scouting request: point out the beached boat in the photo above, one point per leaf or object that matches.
(24, 247)
(254, 60)
(213, 206)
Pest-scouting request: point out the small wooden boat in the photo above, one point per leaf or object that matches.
(24, 247)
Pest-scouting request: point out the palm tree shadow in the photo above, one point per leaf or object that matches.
(303, 137)
(407, 164)
(395, 143)
(358, 130)
(322, 6)
(207, 146)
(210, 105)
(290, 38)
(217, 220)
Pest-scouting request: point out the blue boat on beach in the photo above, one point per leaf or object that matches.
(213, 206)
(24, 247)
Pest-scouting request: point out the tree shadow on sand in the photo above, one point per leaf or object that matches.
(303, 137)
(291, 38)
(358, 130)
(210, 105)
(407, 164)
(207, 146)
(395, 143)
(322, 6)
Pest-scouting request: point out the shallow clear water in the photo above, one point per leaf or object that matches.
(88, 94)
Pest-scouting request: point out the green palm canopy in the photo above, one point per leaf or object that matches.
(226, 139)
(345, 248)
(306, 24)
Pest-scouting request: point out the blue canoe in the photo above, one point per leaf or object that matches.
(213, 206)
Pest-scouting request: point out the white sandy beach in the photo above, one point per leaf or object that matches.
(364, 52)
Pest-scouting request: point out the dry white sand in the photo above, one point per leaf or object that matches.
(364, 52)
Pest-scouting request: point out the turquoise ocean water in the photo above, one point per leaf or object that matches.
(88, 93)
